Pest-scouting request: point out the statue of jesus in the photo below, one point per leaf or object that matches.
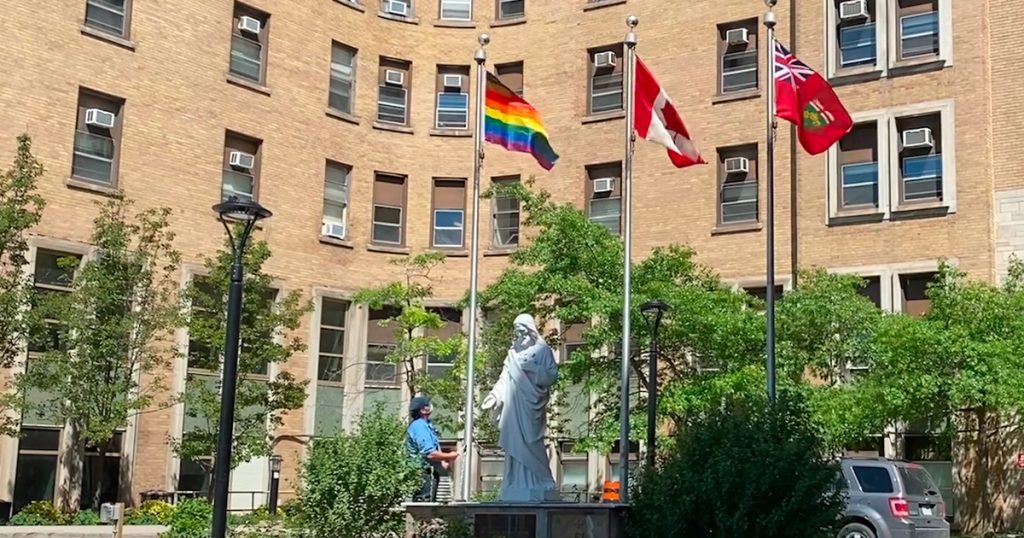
(520, 399)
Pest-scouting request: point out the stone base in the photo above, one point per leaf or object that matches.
(525, 520)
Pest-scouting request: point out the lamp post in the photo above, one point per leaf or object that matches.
(653, 312)
(275, 483)
(248, 213)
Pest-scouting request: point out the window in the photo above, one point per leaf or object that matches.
(336, 181)
(241, 167)
(192, 476)
(206, 302)
(918, 28)
(914, 293)
(457, 10)
(388, 209)
(109, 466)
(511, 9)
(438, 366)
(920, 158)
(449, 201)
(393, 92)
(397, 8)
(511, 75)
(605, 79)
(452, 110)
(343, 78)
(36, 475)
(249, 38)
(737, 181)
(97, 138)
(505, 215)
(857, 33)
(873, 479)
(381, 340)
(110, 16)
(575, 480)
(858, 167)
(872, 290)
(604, 191)
(330, 386)
(737, 54)
(492, 465)
(761, 292)
(54, 274)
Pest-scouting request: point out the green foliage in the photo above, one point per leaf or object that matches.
(352, 483)
(268, 319)
(191, 519)
(152, 512)
(745, 469)
(38, 513)
(86, 517)
(441, 528)
(20, 209)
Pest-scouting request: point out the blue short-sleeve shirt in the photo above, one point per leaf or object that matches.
(421, 438)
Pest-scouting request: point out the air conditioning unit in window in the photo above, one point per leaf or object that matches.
(249, 24)
(395, 78)
(737, 36)
(853, 9)
(238, 159)
(604, 59)
(603, 184)
(398, 8)
(95, 117)
(333, 229)
(918, 138)
(452, 81)
(737, 165)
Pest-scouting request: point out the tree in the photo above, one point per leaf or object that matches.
(112, 332)
(262, 399)
(20, 210)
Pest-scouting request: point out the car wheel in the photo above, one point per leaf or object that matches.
(857, 530)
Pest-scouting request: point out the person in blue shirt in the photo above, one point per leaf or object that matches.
(422, 444)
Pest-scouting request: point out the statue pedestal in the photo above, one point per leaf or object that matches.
(525, 520)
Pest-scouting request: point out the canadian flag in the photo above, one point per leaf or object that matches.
(656, 120)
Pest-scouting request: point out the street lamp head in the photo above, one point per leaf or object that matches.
(241, 210)
(275, 463)
(653, 312)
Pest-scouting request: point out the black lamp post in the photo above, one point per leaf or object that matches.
(275, 483)
(653, 312)
(248, 213)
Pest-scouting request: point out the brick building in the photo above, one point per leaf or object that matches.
(364, 105)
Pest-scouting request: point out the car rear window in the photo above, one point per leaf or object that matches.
(873, 479)
(917, 481)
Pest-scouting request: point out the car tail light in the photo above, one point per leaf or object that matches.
(899, 507)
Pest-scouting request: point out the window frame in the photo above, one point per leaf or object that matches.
(262, 40)
(619, 70)
(440, 89)
(437, 205)
(495, 229)
(235, 141)
(347, 188)
(500, 16)
(126, 18)
(750, 151)
(87, 99)
(354, 52)
(393, 64)
(441, 8)
(382, 178)
(389, 346)
(724, 50)
(599, 171)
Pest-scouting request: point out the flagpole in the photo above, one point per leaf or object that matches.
(474, 269)
(627, 218)
(771, 125)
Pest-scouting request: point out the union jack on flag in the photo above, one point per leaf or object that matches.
(788, 68)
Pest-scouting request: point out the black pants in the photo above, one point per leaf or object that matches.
(428, 489)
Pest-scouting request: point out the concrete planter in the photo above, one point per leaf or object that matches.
(91, 531)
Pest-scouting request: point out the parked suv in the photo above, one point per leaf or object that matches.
(890, 499)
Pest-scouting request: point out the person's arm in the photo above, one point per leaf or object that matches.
(427, 447)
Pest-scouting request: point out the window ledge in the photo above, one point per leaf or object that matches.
(91, 186)
(920, 211)
(392, 128)
(862, 216)
(452, 133)
(344, 243)
(604, 116)
(500, 251)
(352, 4)
(508, 22)
(343, 116)
(598, 4)
(390, 17)
(452, 252)
(402, 251)
(441, 23)
(855, 75)
(913, 67)
(736, 96)
(110, 38)
(248, 84)
(740, 227)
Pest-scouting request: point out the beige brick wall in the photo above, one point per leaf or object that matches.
(178, 106)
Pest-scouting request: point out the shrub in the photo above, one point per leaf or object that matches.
(86, 517)
(152, 512)
(191, 519)
(748, 469)
(38, 513)
(351, 483)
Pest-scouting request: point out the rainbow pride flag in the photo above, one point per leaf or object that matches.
(515, 125)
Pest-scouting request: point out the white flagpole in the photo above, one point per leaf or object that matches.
(771, 125)
(627, 224)
(474, 270)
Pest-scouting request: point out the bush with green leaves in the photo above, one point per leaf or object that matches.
(86, 517)
(745, 469)
(38, 513)
(151, 512)
(191, 519)
(352, 483)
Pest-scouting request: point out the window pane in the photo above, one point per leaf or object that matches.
(35, 479)
(860, 184)
(458, 10)
(857, 45)
(452, 110)
(447, 238)
(511, 8)
(390, 399)
(391, 104)
(94, 156)
(245, 58)
(237, 184)
(332, 341)
(919, 34)
(387, 215)
(381, 372)
(739, 71)
(574, 475)
(505, 204)
(330, 369)
(332, 312)
(917, 481)
(340, 94)
(448, 219)
(606, 213)
(191, 477)
(51, 270)
(330, 402)
(36, 439)
(387, 233)
(606, 92)
(111, 474)
(106, 15)
(739, 201)
(873, 479)
(922, 177)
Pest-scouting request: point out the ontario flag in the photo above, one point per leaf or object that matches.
(805, 99)
(656, 120)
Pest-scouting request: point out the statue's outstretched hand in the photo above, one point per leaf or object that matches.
(489, 402)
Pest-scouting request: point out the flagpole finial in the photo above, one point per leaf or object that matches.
(632, 21)
(484, 39)
(481, 54)
(771, 3)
